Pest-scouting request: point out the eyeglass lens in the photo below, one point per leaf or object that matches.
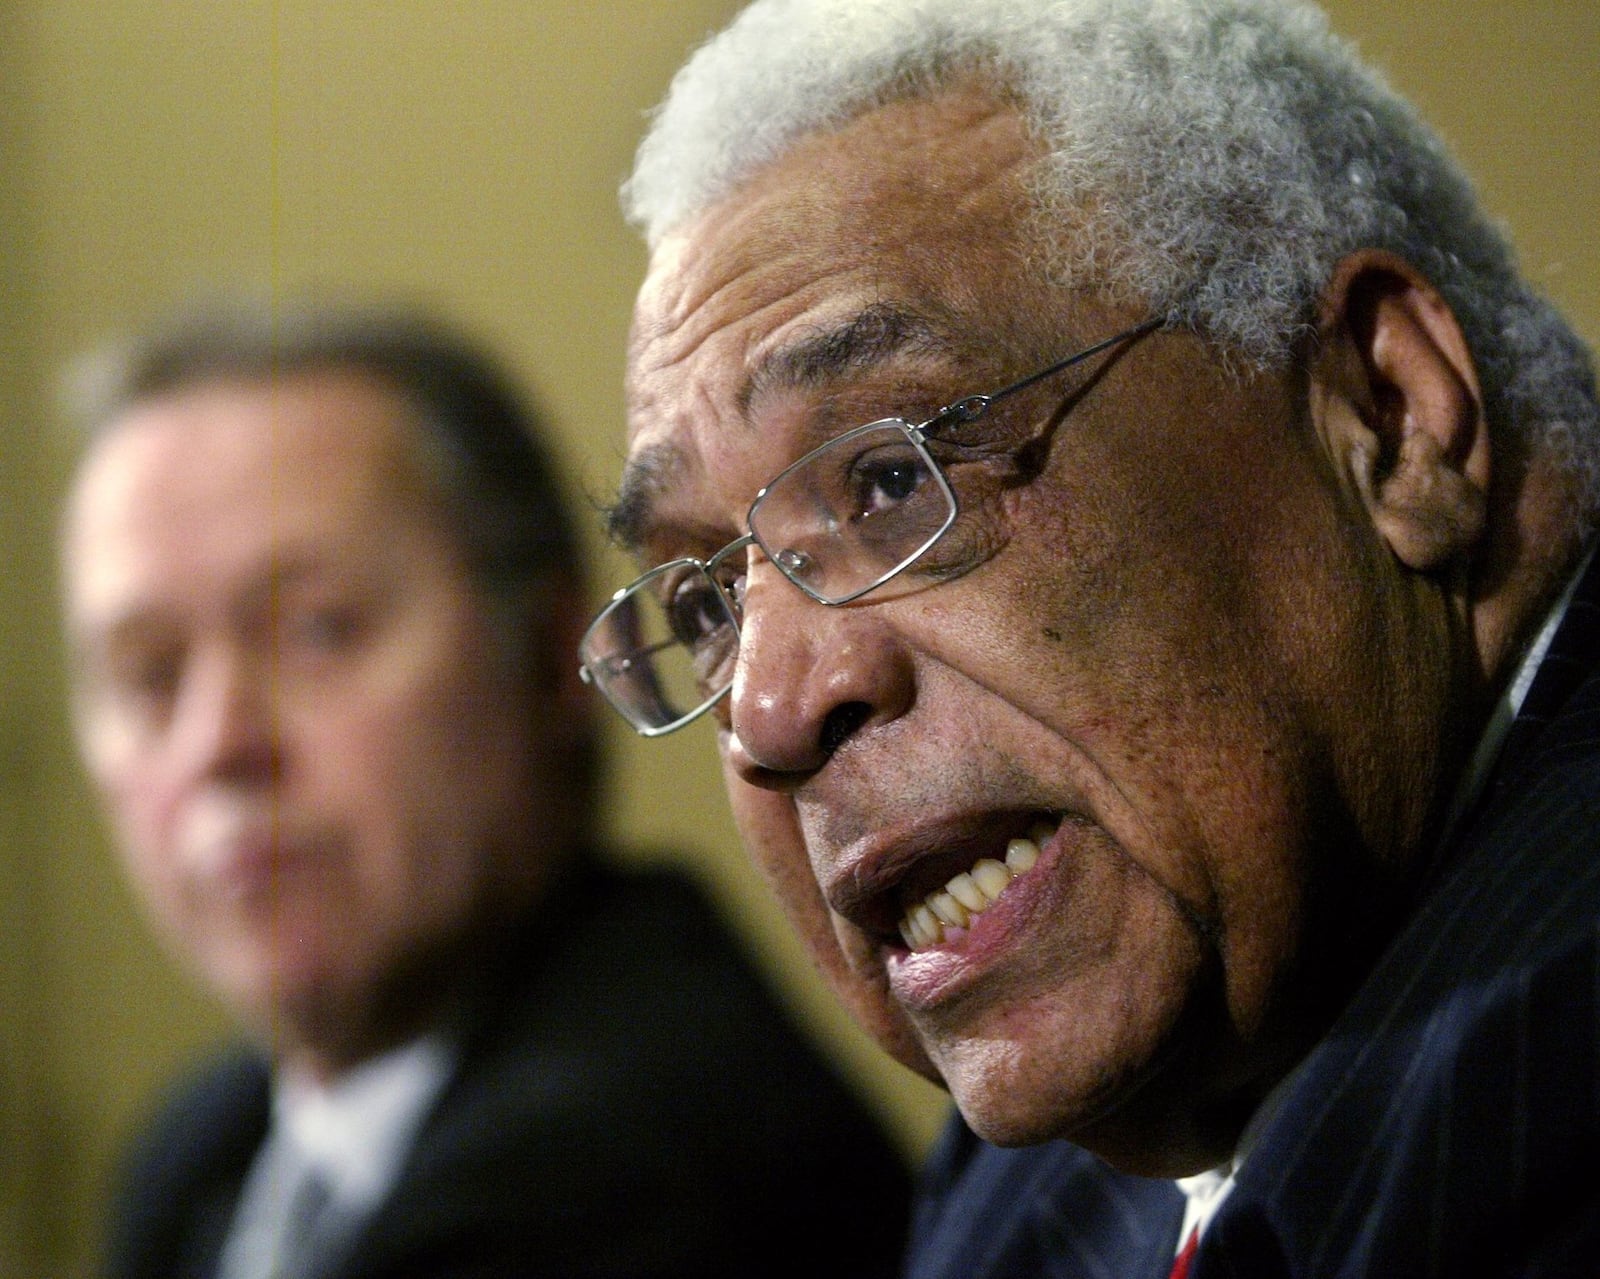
(664, 649)
(851, 514)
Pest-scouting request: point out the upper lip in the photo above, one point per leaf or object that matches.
(232, 844)
(876, 881)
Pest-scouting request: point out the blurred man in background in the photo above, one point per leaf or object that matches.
(321, 591)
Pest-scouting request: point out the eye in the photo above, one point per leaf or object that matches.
(883, 483)
(321, 628)
(146, 677)
(138, 676)
(696, 611)
(852, 512)
(882, 479)
(892, 502)
(698, 618)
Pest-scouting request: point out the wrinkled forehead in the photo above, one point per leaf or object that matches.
(871, 246)
(220, 476)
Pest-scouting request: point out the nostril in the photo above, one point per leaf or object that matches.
(841, 724)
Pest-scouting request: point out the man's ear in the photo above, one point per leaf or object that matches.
(1395, 397)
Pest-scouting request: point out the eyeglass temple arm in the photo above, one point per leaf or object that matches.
(975, 406)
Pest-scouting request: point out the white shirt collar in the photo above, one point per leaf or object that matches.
(1203, 1195)
(1487, 752)
(358, 1130)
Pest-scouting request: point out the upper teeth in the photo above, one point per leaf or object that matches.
(972, 892)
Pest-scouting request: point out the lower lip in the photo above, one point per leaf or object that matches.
(923, 979)
(252, 873)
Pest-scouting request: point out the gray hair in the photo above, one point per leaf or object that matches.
(1235, 150)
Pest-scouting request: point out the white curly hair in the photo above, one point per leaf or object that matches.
(1235, 151)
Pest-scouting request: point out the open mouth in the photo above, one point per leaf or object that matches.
(965, 896)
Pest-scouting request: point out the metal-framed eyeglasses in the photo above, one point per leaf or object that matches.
(841, 522)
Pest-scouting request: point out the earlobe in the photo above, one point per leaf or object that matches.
(1395, 396)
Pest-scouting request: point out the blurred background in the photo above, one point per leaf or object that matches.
(465, 155)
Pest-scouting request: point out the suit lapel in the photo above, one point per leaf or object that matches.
(1052, 1210)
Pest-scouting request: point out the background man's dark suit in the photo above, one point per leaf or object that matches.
(1447, 1123)
(631, 1103)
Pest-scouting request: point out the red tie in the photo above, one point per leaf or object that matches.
(1180, 1263)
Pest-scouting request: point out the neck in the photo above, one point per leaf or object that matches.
(1532, 547)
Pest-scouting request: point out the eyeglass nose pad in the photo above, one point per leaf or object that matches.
(792, 561)
(795, 564)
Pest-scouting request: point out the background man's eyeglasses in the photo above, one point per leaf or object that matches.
(846, 519)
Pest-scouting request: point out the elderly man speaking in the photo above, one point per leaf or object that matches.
(1127, 521)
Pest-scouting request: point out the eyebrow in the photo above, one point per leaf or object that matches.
(869, 338)
(648, 474)
(288, 569)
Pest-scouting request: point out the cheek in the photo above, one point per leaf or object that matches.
(1181, 645)
(154, 871)
(125, 770)
(142, 806)
(1199, 764)
(425, 777)
(770, 830)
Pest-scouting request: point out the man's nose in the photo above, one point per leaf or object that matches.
(227, 721)
(809, 678)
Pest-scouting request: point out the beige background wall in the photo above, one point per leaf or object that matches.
(465, 153)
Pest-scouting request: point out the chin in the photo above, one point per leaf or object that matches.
(1000, 1128)
(1151, 1124)
(269, 988)
(1005, 1115)
(889, 1027)
(1016, 1094)
(1125, 1141)
(1004, 1097)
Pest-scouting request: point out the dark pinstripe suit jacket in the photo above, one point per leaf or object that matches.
(1446, 1125)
